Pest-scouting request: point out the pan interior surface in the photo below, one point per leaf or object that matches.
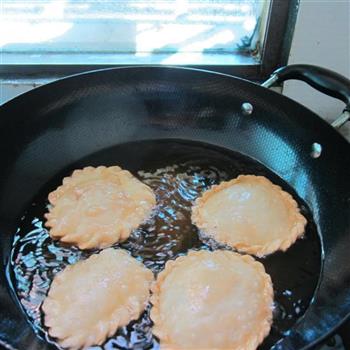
(178, 171)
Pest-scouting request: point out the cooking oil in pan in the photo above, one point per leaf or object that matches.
(178, 172)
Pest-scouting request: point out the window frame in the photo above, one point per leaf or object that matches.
(281, 21)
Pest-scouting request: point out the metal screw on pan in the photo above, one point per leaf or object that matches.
(316, 150)
(247, 108)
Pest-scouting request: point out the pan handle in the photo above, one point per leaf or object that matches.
(324, 80)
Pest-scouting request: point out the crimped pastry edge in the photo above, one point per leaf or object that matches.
(66, 183)
(171, 265)
(258, 250)
(110, 326)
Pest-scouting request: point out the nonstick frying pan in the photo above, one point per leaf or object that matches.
(152, 113)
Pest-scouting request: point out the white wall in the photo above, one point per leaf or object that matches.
(322, 37)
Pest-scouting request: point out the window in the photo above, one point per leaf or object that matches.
(245, 37)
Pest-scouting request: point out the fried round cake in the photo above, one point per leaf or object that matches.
(88, 301)
(212, 300)
(97, 207)
(249, 214)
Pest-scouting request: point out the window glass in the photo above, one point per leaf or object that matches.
(131, 31)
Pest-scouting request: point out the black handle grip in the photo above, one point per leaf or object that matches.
(324, 80)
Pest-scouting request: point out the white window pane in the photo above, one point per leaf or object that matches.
(171, 31)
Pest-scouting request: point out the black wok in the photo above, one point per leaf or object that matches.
(155, 114)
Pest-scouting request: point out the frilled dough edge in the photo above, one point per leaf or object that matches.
(95, 241)
(298, 221)
(103, 328)
(160, 330)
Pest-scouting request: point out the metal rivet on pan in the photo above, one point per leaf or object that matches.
(247, 108)
(316, 150)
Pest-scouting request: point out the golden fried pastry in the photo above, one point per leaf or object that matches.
(250, 214)
(212, 300)
(96, 207)
(88, 301)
